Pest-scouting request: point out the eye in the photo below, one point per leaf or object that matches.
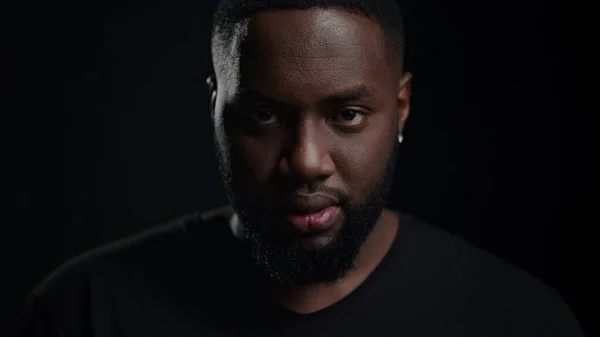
(263, 117)
(350, 117)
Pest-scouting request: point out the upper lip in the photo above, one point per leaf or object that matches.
(309, 203)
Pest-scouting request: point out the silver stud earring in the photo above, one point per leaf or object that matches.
(400, 138)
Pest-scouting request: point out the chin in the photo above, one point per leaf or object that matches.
(315, 242)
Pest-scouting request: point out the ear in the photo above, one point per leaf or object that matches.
(212, 94)
(403, 100)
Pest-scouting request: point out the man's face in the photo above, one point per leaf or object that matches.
(306, 137)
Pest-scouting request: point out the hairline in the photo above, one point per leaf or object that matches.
(223, 38)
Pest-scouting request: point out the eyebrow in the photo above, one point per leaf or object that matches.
(254, 96)
(352, 94)
(357, 93)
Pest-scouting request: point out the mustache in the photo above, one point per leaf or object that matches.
(310, 189)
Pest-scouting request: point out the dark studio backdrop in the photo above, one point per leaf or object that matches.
(108, 131)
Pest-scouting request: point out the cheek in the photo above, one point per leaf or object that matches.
(363, 165)
(253, 160)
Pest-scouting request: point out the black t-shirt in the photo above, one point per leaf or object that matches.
(191, 277)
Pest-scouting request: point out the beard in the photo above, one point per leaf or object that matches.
(288, 263)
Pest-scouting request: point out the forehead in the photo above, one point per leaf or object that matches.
(302, 54)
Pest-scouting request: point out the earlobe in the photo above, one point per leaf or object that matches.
(404, 88)
(212, 92)
(210, 82)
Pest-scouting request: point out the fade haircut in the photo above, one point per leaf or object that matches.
(229, 14)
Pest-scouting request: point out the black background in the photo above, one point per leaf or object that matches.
(107, 131)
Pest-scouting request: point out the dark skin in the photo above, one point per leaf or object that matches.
(315, 102)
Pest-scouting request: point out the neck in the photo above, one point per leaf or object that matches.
(312, 298)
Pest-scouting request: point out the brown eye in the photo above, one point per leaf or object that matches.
(350, 117)
(263, 117)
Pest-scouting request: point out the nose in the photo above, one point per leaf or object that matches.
(308, 158)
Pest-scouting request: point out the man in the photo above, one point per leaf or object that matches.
(309, 100)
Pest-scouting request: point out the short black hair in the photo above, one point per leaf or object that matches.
(387, 13)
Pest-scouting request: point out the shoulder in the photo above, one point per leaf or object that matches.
(474, 284)
(159, 239)
(462, 261)
(162, 241)
(67, 295)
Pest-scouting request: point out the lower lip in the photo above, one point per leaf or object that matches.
(316, 222)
